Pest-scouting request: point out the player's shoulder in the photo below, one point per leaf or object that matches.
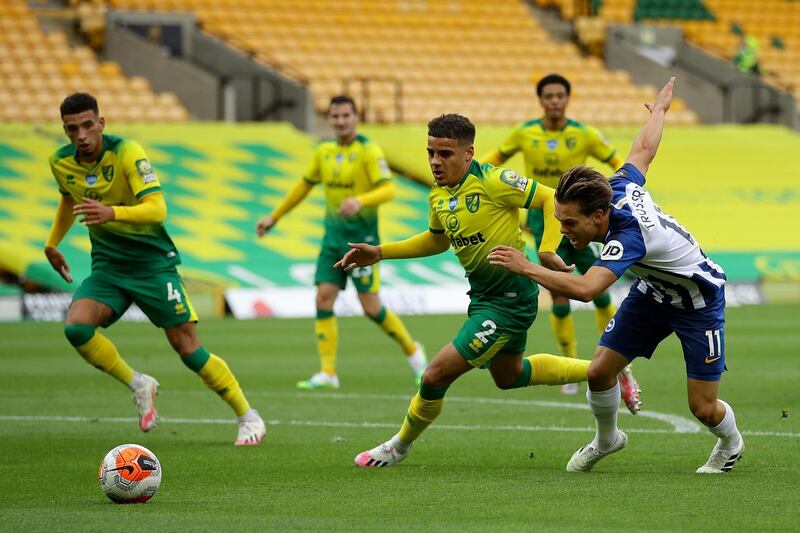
(529, 125)
(627, 173)
(62, 152)
(578, 126)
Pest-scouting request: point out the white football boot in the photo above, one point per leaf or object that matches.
(721, 461)
(584, 459)
(380, 456)
(320, 380)
(251, 431)
(144, 396)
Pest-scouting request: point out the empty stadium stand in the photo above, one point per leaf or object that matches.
(479, 59)
(38, 68)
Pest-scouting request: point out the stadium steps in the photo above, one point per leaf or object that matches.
(44, 67)
(467, 57)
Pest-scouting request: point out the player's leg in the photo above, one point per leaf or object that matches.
(703, 341)
(99, 302)
(637, 329)
(425, 406)
(326, 331)
(217, 376)
(510, 370)
(367, 283)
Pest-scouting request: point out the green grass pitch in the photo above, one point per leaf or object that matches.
(493, 460)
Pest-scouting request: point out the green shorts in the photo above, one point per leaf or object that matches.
(366, 279)
(582, 259)
(160, 295)
(489, 331)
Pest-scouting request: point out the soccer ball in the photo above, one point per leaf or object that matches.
(130, 474)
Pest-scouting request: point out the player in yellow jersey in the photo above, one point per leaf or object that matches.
(552, 145)
(109, 182)
(473, 208)
(356, 179)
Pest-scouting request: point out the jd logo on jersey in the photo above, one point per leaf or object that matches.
(612, 251)
(452, 223)
(91, 179)
(473, 202)
(108, 172)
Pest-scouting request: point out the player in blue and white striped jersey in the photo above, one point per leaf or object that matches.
(679, 290)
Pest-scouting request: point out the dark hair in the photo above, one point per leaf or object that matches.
(343, 99)
(586, 187)
(552, 78)
(452, 126)
(78, 103)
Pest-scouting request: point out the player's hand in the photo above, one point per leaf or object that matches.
(265, 225)
(350, 206)
(93, 212)
(554, 262)
(509, 258)
(663, 98)
(360, 255)
(59, 263)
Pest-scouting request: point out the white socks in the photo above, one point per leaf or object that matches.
(726, 430)
(604, 406)
(136, 382)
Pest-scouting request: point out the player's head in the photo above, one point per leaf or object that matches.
(83, 123)
(553, 92)
(450, 148)
(343, 117)
(583, 203)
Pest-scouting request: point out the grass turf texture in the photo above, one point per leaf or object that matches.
(471, 471)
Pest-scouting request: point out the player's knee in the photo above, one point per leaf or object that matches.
(560, 310)
(78, 334)
(598, 377)
(504, 382)
(602, 301)
(433, 378)
(703, 411)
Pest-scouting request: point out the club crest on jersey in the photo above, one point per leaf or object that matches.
(571, 142)
(511, 178)
(452, 223)
(108, 172)
(452, 204)
(612, 251)
(473, 202)
(91, 179)
(552, 144)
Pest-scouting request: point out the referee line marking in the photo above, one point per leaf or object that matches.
(368, 425)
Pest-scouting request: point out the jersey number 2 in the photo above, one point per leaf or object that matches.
(490, 326)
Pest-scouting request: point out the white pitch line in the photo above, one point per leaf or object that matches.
(369, 425)
(679, 424)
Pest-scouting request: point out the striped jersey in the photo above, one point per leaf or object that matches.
(671, 267)
(121, 175)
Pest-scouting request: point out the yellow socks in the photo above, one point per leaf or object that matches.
(218, 377)
(391, 324)
(603, 315)
(421, 413)
(553, 370)
(98, 351)
(564, 329)
(327, 339)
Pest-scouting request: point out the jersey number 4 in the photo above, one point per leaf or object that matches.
(172, 294)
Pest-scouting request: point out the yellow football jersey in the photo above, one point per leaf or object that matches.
(346, 171)
(121, 175)
(479, 213)
(548, 154)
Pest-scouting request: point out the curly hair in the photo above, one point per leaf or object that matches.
(452, 126)
(78, 103)
(552, 78)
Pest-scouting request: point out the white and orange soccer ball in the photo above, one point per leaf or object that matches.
(130, 474)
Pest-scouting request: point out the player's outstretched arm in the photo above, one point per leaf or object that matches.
(421, 245)
(583, 288)
(645, 145)
(61, 224)
(295, 196)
